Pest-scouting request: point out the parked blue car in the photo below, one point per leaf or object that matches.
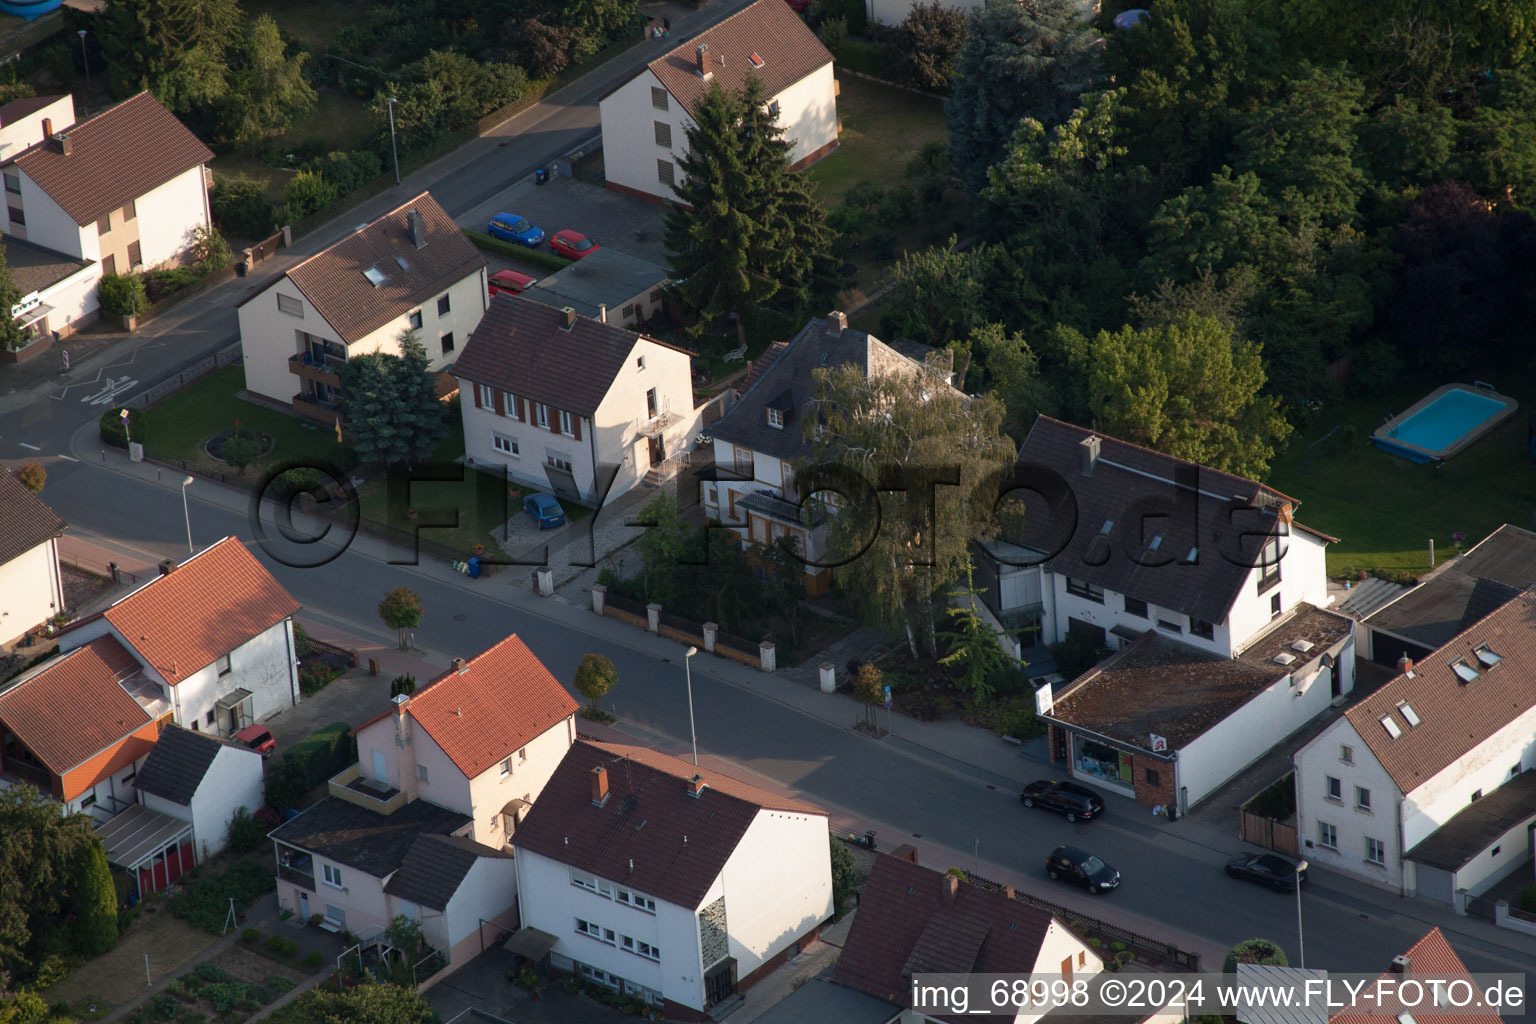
(509, 227)
(546, 511)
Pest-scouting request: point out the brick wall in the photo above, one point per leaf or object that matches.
(1153, 793)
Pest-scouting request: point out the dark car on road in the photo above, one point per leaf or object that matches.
(1081, 868)
(1065, 798)
(1271, 869)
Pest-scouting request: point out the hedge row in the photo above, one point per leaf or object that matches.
(112, 427)
(322, 754)
(520, 253)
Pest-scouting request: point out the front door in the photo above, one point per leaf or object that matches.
(380, 768)
(303, 906)
(658, 451)
(720, 982)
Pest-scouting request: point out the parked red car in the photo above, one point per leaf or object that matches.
(573, 245)
(258, 738)
(510, 282)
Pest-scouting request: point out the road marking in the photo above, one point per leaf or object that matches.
(31, 446)
(110, 392)
(71, 458)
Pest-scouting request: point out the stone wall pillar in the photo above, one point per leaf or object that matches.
(828, 677)
(653, 617)
(599, 593)
(711, 630)
(766, 656)
(544, 581)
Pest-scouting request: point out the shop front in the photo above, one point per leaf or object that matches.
(1097, 762)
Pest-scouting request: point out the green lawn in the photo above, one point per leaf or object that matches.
(883, 128)
(1386, 509)
(339, 119)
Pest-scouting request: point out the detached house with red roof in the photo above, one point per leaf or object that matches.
(411, 270)
(645, 121)
(1425, 786)
(123, 190)
(420, 826)
(31, 589)
(213, 637)
(674, 884)
(1430, 958)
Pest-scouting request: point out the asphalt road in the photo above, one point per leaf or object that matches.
(1167, 878)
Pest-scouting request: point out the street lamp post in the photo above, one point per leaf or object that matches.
(85, 59)
(688, 672)
(392, 147)
(1301, 947)
(187, 513)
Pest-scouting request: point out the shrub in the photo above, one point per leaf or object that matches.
(289, 948)
(1013, 717)
(1527, 899)
(279, 984)
(543, 50)
(209, 249)
(1075, 655)
(210, 972)
(401, 685)
(315, 676)
(1254, 951)
(250, 935)
(205, 903)
(518, 253)
(111, 427)
(307, 193)
(189, 1015)
(845, 877)
(240, 207)
(348, 171)
(245, 832)
(929, 41)
(897, 207)
(833, 32)
(240, 452)
(32, 476)
(96, 903)
(275, 943)
(882, 244)
(301, 644)
(313, 959)
(165, 1006)
(123, 295)
(322, 754)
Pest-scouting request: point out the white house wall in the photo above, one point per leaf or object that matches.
(488, 892)
(169, 215)
(1497, 859)
(1484, 768)
(263, 665)
(73, 299)
(490, 791)
(113, 794)
(361, 895)
(1314, 763)
(268, 338)
(629, 121)
(467, 301)
(777, 886)
(1303, 577)
(30, 590)
(808, 113)
(233, 780)
(26, 132)
(48, 225)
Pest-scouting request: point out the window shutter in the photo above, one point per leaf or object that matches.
(554, 420)
(496, 401)
(576, 426)
(478, 404)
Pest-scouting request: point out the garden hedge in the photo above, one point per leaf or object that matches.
(520, 253)
(322, 754)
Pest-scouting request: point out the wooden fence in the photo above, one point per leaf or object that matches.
(1269, 833)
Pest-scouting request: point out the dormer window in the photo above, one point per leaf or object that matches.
(1486, 656)
(1466, 673)
(776, 419)
(1269, 564)
(1391, 726)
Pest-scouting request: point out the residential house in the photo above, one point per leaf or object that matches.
(913, 920)
(1449, 598)
(646, 120)
(21, 121)
(213, 636)
(411, 270)
(79, 726)
(675, 884)
(1119, 539)
(123, 190)
(568, 404)
(1390, 792)
(758, 440)
(53, 286)
(1430, 957)
(202, 780)
(31, 589)
(483, 739)
(606, 285)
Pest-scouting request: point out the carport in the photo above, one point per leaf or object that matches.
(155, 848)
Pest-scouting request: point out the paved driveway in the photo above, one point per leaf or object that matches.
(481, 985)
(612, 220)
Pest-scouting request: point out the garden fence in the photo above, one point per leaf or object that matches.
(736, 643)
(624, 604)
(187, 375)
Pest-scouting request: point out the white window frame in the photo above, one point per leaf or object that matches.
(509, 406)
(567, 425)
(541, 411)
(1335, 784)
(506, 767)
(776, 419)
(414, 320)
(225, 664)
(331, 876)
(1327, 836)
(294, 307)
(1362, 799)
(1379, 848)
(487, 397)
(505, 445)
(421, 773)
(559, 462)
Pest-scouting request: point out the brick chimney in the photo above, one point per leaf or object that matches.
(167, 567)
(459, 665)
(599, 785)
(1404, 663)
(416, 228)
(837, 322)
(1008, 891)
(47, 127)
(567, 318)
(61, 143)
(700, 60)
(1090, 448)
(1285, 513)
(905, 852)
(696, 786)
(951, 886)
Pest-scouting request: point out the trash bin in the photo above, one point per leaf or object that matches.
(541, 176)
(474, 568)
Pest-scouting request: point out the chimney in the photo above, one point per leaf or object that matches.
(951, 886)
(1401, 964)
(699, 60)
(599, 785)
(837, 322)
(696, 786)
(1404, 663)
(905, 852)
(167, 566)
(47, 127)
(567, 318)
(458, 665)
(1285, 513)
(61, 143)
(1090, 449)
(415, 228)
(602, 312)
(1008, 891)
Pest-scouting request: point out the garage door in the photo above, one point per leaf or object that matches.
(1434, 884)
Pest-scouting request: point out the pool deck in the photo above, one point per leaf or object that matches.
(1384, 439)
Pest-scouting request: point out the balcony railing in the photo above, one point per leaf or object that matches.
(317, 409)
(656, 425)
(353, 787)
(23, 772)
(306, 879)
(323, 372)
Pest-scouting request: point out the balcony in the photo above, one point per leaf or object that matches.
(317, 409)
(303, 879)
(355, 788)
(326, 371)
(770, 505)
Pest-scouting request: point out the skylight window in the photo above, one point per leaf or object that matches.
(1190, 558)
(400, 260)
(1392, 728)
(375, 276)
(1464, 671)
(1157, 542)
(1408, 713)
(1109, 524)
(1486, 656)
(757, 62)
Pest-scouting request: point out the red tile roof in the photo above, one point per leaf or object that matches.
(119, 155)
(906, 926)
(1433, 956)
(28, 522)
(74, 706)
(502, 700)
(1454, 716)
(333, 282)
(210, 604)
(650, 834)
(769, 28)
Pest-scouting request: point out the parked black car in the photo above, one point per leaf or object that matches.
(1082, 868)
(1269, 869)
(1065, 798)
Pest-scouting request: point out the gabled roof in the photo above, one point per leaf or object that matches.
(913, 920)
(435, 866)
(28, 522)
(768, 29)
(119, 155)
(373, 843)
(650, 833)
(333, 282)
(785, 381)
(1462, 589)
(206, 607)
(1455, 716)
(1431, 956)
(73, 707)
(175, 768)
(520, 347)
(17, 109)
(1142, 494)
(502, 699)
(605, 277)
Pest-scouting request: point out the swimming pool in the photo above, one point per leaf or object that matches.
(1444, 422)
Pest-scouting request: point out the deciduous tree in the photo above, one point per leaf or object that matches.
(930, 41)
(267, 87)
(401, 611)
(11, 336)
(595, 677)
(32, 476)
(39, 850)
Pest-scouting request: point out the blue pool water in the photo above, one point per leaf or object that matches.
(1446, 420)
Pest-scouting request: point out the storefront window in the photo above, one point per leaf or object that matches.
(1105, 763)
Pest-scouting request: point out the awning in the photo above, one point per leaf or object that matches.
(1127, 633)
(33, 315)
(140, 834)
(234, 699)
(530, 943)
